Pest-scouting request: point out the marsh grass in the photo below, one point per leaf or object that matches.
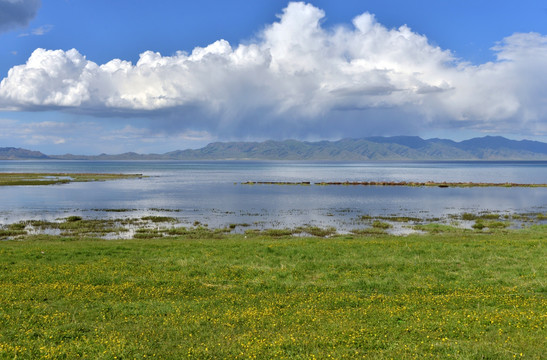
(277, 232)
(78, 227)
(316, 231)
(399, 183)
(27, 179)
(369, 231)
(481, 224)
(151, 226)
(440, 228)
(381, 225)
(11, 233)
(166, 226)
(203, 295)
(394, 218)
(159, 219)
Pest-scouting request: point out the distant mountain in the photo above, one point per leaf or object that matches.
(372, 148)
(10, 153)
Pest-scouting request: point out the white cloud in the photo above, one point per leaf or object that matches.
(298, 76)
(39, 133)
(90, 137)
(17, 13)
(39, 31)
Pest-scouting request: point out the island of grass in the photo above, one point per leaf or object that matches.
(15, 179)
(443, 184)
(204, 294)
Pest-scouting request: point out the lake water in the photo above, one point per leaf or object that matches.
(212, 193)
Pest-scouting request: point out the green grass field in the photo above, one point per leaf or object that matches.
(462, 295)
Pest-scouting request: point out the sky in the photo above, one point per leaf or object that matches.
(97, 76)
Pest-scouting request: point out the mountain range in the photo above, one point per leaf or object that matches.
(366, 149)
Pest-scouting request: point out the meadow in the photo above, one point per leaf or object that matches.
(203, 294)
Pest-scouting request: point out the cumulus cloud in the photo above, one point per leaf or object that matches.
(17, 13)
(299, 77)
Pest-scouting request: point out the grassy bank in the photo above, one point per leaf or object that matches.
(17, 179)
(461, 295)
(443, 184)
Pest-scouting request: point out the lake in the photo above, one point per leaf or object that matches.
(211, 192)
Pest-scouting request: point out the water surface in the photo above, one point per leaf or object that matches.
(212, 193)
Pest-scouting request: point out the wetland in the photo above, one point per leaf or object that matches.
(189, 261)
(328, 195)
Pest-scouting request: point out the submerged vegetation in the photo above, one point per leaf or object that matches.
(13, 179)
(203, 293)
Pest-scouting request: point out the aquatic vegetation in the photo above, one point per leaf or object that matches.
(164, 210)
(278, 232)
(478, 225)
(468, 216)
(147, 234)
(481, 224)
(496, 224)
(276, 183)
(369, 231)
(490, 216)
(73, 218)
(316, 231)
(159, 219)
(16, 226)
(396, 218)
(27, 179)
(174, 231)
(11, 233)
(76, 226)
(381, 225)
(397, 183)
(116, 210)
(438, 228)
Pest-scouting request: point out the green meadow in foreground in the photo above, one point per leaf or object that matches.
(451, 294)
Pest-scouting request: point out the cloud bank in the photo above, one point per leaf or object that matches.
(17, 13)
(300, 78)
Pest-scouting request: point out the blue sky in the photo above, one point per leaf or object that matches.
(91, 76)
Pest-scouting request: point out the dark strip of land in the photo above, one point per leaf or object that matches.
(14, 179)
(397, 183)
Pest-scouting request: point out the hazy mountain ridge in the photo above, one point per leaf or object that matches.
(11, 153)
(372, 148)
